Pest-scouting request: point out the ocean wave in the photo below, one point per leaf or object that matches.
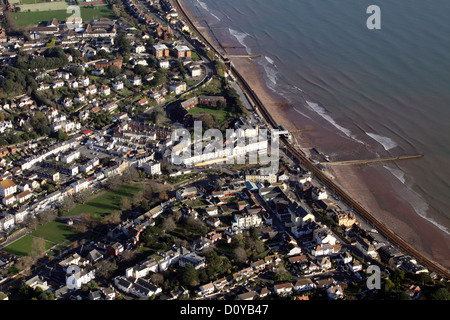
(324, 114)
(269, 60)
(205, 7)
(399, 174)
(386, 142)
(240, 37)
(419, 204)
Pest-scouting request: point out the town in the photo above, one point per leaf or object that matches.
(95, 207)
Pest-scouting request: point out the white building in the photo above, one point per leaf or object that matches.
(152, 168)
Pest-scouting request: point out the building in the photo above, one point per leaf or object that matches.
(7, 188)
(152, 168)
(182, 51)
(247, 220)
(160, 50)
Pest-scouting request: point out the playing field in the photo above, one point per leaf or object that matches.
(88, 14)
(55, 232)
(106, 203)
(220, 114)
(22, 246)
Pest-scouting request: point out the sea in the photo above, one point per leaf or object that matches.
(386, 90)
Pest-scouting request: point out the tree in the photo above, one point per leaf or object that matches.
(37, 247)
(77, 71)
(39, 122)
(282, 275)
(168, 224)
(113, 182)
(130, 174)
(189, 276)
(125, 204)
(24, 263)
(140, 70)
(148, 192)
(157, 279)
(106, 269)
(163, 195)
(440, 294)
(82, 197)
(123, 44)
(239, 255)
(112, 218)
(112, 71)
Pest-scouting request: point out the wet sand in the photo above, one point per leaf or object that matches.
(366, 184)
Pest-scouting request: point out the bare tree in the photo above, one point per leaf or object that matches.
(125, 204)
(168, 224)
(37, 247)
(157, 279)
(112, 218)
(240, 255)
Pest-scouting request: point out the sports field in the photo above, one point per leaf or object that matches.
(55, 232)
(22, 246)
(88, 14)
(105, 203)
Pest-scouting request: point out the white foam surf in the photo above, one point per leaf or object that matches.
(240, 37)
(324, 114)
(386, 142)
(205, 7)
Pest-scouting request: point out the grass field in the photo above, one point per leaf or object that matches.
(88, 14)
(219, 114)
(22, 246)
(106, 203)
(57, 232)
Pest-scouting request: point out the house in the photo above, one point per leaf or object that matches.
(186, 193)
(76, 276)
(355, 266)
(160, 50)
(7, 188)
(283, 288)
(24, 196)
(207, 288)
(95, 295)
(114, 249)
(7, 222)
(105, 90)
(182, 51)
(152, 168)
(324, 235)
(118, 85)
(194, 259)
(58, 84)
(212, 211)
(178, 87)
(142, 102)
(366, 248)
(335, 292)
(136, 81)
(324, 263)
(164, 64)
(195, 71)
(250, 295)
(219, 284)
(304, 285)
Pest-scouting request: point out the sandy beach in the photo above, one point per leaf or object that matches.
(364, 183)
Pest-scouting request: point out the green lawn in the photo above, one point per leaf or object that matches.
(219, 114)
(22, 246)
(55, 231)
(106, 203)
(88, 14)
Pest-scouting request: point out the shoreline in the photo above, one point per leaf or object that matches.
(406, 225)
